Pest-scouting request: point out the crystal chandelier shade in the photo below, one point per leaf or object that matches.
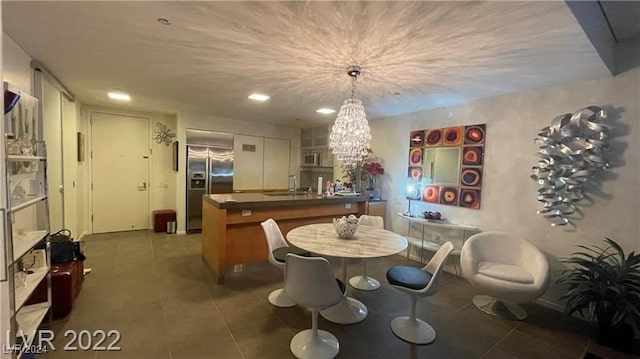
(350, 136)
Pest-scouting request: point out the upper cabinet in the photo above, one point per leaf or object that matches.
(276, 163)
(314, 145)
(260, 163)
(314, 138)
(248, 152)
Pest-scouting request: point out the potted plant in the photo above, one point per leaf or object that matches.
(604, 288)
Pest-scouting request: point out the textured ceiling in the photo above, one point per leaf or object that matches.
(216, 53)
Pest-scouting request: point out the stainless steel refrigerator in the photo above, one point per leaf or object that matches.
(209, 170)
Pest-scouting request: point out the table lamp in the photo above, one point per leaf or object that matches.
(412, 191)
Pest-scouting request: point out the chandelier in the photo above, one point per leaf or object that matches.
(350, 136)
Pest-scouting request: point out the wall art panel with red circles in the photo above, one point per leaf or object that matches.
(445, 165)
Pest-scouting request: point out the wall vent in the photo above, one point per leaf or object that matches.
(248, 148)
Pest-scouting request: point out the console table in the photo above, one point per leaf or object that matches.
(432, 244)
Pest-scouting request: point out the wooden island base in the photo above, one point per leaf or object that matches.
(231, 231)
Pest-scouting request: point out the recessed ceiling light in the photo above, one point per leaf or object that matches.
(258, 97)
(325, 111)
(164, 21)
(120, 96)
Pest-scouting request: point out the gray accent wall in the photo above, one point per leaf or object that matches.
(508, 194)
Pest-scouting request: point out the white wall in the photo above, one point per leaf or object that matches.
(168, 186)
(220, 124)
(17, 65)
(19, 73)
(163, 178)
(508, 194)
(82, 177)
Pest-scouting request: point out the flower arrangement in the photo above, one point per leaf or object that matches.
(373, 168)
(366, 172)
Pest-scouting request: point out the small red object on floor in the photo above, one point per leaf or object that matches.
(66, 282)
(161, 217)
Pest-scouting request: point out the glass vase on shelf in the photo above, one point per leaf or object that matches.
(26, 148)
(13, 146)
(17, 194)
(374, 189)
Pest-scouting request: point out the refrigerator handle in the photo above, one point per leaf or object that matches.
(207, 177)
(210, 175)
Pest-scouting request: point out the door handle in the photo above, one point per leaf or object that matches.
(143, 187)
(61, 189)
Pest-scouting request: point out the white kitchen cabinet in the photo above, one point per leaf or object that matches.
(314, 138)
(260, 163)
(248, 162)
(276, 163)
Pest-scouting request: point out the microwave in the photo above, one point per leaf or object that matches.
(311, 159)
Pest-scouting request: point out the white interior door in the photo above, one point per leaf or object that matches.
(70, 167)
(120, 172)
(52, 134)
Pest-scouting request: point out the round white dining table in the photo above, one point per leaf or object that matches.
(368, 242)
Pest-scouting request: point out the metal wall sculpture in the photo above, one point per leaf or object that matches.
(163, 134)
(571, 153)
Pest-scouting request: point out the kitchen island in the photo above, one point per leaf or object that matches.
(231, 231)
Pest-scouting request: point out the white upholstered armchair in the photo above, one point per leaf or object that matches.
(508, 270)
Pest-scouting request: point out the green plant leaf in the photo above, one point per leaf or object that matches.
(603, 284)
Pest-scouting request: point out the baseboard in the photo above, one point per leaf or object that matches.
(551, 305)
(82, 235)
(181, 232)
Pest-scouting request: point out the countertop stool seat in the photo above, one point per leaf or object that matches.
(280, 253)
(310, 282)
(417, 282)
(278, 249)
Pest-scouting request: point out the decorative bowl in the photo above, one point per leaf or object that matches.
(433, 216)
(346, 227)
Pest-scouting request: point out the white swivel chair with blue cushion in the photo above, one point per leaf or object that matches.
(278, 249)
(311, 283)
(507, 269)
(417, 283)
(364, 282)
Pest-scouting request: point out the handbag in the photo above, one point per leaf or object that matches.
(64, 248)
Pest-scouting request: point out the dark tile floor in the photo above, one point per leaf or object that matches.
(155, 290)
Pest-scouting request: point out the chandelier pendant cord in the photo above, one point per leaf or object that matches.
(353, 85)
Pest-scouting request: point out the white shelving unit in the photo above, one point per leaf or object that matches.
(22, 244)
(25, 158)
(27, 202)
(29, 319)
(26, 258)
(434, 242)
(22, 292)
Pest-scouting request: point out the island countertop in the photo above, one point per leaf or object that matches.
(256, 200)
(231, 230)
